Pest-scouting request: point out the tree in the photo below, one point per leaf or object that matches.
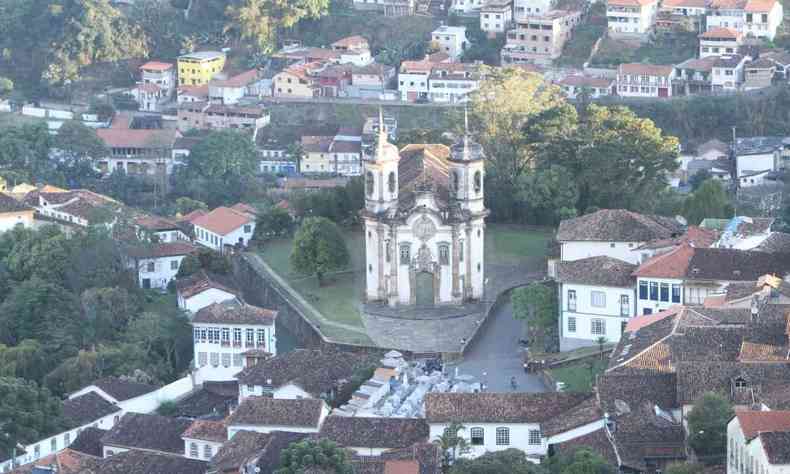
(322, 455)
(601, 341)
(106, 312)
(707, 424)
(696, 180)
(536, 305)
(28, 413)
(452, 444)
(24, 154)
(548, 194)
(27, 360)
(260, 21)
(6, 86)
(165, 335)
(319, 248)
(223, 154)
(631, 153)
(78, 146)
(204, 259)
(185, 205)
(274, 222)
(581, 460)
(709, 200)
(512, 461)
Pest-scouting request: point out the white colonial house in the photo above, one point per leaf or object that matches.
(525, 8)
(413, 80)
(204, 438)
(157, 264)
(631, 18)
(424, 221)
(645, 80)
(754, 154)
(202, 289)
(688, 274)
(224, 332)
(224, 227)
(758, 442)
(529, 422)
(264, 415)
(755, 18)
(597, 299)
(613, 233)
(719, 41)
(451, 39)
(159, 229)
(496, 16)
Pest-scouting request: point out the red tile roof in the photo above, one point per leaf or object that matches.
(401, 466)
(645, 69)
(756, 422)
(223, 220)
(638, 322)
(207, 430)
(195, 91)
(684, 3)
(156, 66)
(136, 138)
(165, 249)
(631, 3)
(672, 264)
(720, 32)
(239, 80)
(351, 42)
(191, 216)
(760, 6)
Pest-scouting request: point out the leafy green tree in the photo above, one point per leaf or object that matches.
(6, 86)
(452, 444)
(78, 146)
(707, 425)
(24, 154)
(274, 222)
(709, 200)
(581, 460)
(185, 205)
(512, 461)
(167, 408)
(105, 314)
(222, 154)
(536, 305)
(321, 455)
(27, 360)
(549, 194)
(684, 468)
(260, 21)
(696, 180)
(205, 259)
(27, 413)
(630, 152)
(166, 335)
(318, 248)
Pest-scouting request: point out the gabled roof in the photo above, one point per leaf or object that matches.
(238, 450)
(688, 262)
(235, 312)
(223, 220)
(755, 422)
(212, 401)
(617, 225)
(266, 411)
(201, 281)
(600, 271)
(137, 138)
(149, 432)
(66, 461)
(499, 407)
(87, 408)
(759, 6)
(776, 446)
(776, 242)
(156, 66)
(162, 249)
(684, 3)
(156, 223)
(672, 264)
(644, 69)
(387, 433)
(144, 462)
(239, 80)
(207, 430)
(89, 441)
(314, 371)
(122, 390)
(721, 33)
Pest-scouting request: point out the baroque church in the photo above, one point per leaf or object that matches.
(424, 223)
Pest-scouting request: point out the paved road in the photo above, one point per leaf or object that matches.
(497, 353)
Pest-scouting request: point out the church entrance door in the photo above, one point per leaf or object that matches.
(424, 289)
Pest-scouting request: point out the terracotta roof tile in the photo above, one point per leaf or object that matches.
(755, 422)
(87, 408)
(720, 32)
(758, 352)
(207, 430)
(235, 312)
(239, 80)
(156, 66)
(499, 407)
(223, 220)
(201, 281)
(122, 390)
(137, 138)
(148, 432)
(645, 69)
(67, 461)
(163, 249)
(776, 446)
(672, 264)
(617, 225)
(387, 433)
(265, 411)
(144, 462)
(603, 271)
(759, 6)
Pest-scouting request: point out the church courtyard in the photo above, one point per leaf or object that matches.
(508, 249)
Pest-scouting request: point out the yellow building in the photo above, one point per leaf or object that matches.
(196, 69)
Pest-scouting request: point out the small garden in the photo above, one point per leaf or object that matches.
(579, 376)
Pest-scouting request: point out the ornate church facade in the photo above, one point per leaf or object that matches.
(424, 223)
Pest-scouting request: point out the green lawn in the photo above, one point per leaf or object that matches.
(340, 297)
(514, 244)
(579, 376)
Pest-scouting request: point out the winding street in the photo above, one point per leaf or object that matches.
(497, 353)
